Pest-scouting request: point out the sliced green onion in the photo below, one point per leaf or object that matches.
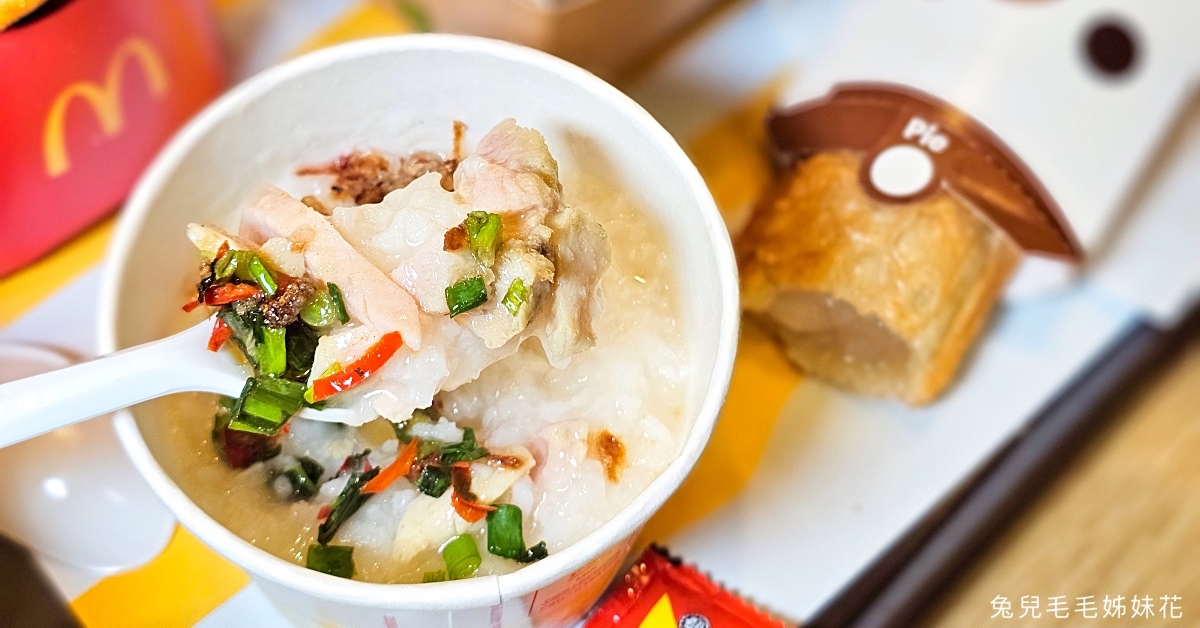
(245, 337)
(466, 450)
(224, 266)
(253, 269)
(433, 481)
(434, 576)
(272, 353)
(461, 557)
(466, 295)
(320, 310)
(339, 304)
(335, 560)
(516, 296)
(266, 403)
(504, 535)
(483, 236)
(506, 539)
(240, 449)
(346, 503)
(247, 266)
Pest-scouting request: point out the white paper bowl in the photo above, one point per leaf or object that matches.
(404, 92)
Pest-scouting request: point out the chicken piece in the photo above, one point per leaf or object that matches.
(512, 173)
(285, 255)
(581, 255)
(493, 321)
(282, 254)
(429, 522)
(404, 235)
(209, 240)
(370, 296)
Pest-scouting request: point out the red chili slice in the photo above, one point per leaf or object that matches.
(398, 469)
(465, 503)
(470, 511)
(357, 371)
(220, 333)
(230, 292)
(190, 305)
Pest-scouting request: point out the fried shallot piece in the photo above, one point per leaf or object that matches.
(367, 177)
(282, 309)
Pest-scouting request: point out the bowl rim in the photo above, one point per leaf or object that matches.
(472, 592)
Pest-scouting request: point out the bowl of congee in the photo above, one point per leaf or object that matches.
(505, 277)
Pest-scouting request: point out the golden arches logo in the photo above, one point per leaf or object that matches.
(104, 99)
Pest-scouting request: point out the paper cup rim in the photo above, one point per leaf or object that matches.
(471, 592)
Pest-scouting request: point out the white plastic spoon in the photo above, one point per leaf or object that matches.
(180, 363)
(72, 495)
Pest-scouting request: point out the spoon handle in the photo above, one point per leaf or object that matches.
(39, 404)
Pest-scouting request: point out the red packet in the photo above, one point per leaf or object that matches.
(662, 592)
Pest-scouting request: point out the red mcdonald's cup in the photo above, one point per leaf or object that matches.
(89, 91)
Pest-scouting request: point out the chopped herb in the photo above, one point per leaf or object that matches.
(437, 457)
(356, 463)
(335, 560)
(339, 305)
(516, 296)
(246, 332)
(320, 311)
(266, 403)
(506, 539)
(466, 450)
(348, 501)
(434, 576)
(206, 281)
(304, 477)
(461, 556)
(466, 295)
(225, 265)
(247, 266)
(433, 481)
(272, 353)
(535, 553)
(254, 270)
(301, 349)
(483, 236)
(240, 449)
